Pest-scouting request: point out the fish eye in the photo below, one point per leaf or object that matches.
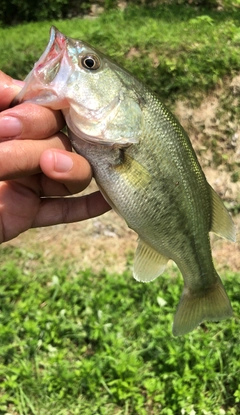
(91, 62)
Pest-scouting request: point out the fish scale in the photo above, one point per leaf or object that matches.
(145, 166)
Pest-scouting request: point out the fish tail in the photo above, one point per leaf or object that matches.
(211, 304)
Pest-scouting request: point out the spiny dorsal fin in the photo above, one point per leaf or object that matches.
(148, 263)
(222, 223)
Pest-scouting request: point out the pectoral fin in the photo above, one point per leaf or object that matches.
(133, 172)
(222, 223)
(148, 263)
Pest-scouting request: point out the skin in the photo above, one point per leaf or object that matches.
(37, 163)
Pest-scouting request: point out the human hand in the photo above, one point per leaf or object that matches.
(36, 163)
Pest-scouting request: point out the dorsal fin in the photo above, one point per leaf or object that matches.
(222, 223)
(148, 263)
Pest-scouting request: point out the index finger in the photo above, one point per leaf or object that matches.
(27, 120)
(30, 121)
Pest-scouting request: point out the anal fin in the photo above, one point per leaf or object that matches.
(222, 223)
(211, 304)
(148, 263)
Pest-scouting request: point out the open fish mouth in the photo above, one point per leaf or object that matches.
(54, 64)
(48, 65)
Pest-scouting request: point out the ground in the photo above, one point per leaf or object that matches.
(106, 242)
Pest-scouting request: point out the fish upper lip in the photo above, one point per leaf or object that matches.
(51, 57)
(56, 38)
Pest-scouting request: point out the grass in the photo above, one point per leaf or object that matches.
(77, 343)
(174, 49)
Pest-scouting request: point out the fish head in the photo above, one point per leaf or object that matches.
(92, 91)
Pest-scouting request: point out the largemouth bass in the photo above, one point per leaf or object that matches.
(145, 167)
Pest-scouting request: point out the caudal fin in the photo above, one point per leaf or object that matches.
(211, 304)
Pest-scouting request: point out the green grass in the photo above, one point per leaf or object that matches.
(176, 50)
(77, 343)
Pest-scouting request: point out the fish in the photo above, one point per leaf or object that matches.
(145, 166)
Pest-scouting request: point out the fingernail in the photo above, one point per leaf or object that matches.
(62, 163)
(10, 127)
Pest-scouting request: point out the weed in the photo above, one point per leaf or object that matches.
(102, 344)
(179, 49)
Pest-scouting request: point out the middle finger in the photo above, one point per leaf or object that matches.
(19, 158)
